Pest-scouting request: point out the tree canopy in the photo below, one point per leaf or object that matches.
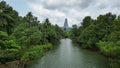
(101, 34)
(18, 35)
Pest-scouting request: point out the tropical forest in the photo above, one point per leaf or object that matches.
(27, 42)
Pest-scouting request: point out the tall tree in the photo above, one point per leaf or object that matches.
(8, 17)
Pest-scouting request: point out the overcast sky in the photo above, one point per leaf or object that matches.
(58, 10)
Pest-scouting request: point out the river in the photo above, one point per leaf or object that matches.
(68, 55)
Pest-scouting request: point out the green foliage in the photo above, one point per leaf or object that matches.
(27, 35)
(102, 34)
(23, 38)
(74, 33)
(35, 52)
(32, 20)
(114, 36)
(51, 34)
(110, 48)
(3, 37)
(86, 21)
(8, 48)
(88, 37)
(91, 31)
(8, 17)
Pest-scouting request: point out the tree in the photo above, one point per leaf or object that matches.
(86, 21)
(22, 38)
(9, 50)
(74, 33)
(32, 20)
(8, 17)
(102, 34)
(26, 35)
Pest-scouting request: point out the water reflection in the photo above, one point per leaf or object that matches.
(67, 55)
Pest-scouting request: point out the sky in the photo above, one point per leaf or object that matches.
(58, 10)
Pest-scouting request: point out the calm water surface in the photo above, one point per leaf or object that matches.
(67, 55)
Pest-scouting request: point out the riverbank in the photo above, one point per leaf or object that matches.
(114, 62)
(12, 64)
(33, 53)
(68, 55)
(100, 34)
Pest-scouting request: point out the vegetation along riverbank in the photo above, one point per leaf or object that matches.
(101, 34)
(25, 38)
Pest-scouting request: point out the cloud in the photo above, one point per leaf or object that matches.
(86, 3)
(54, 15)
(74, 10)
(54, 4)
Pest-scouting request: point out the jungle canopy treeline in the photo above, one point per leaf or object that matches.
(25, 38)
(22, 38)
(101, 34)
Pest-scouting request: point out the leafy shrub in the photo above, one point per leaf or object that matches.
(109, 48)
(35, 52)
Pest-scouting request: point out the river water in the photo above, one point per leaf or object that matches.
(68, 55)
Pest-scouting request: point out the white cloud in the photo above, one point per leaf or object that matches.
(74, 10)
(42, 13)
